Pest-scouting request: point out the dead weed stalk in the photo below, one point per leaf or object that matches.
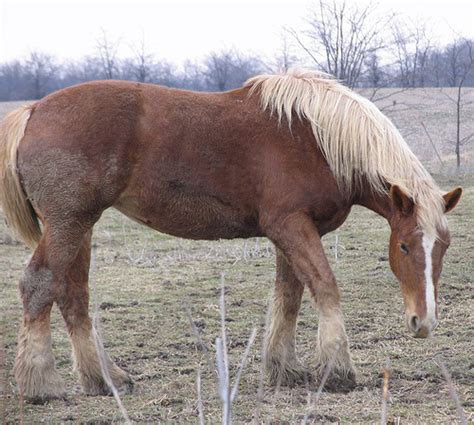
(452, 391)
(99, 346)
(387, 373)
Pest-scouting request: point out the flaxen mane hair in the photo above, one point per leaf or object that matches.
(357, 140)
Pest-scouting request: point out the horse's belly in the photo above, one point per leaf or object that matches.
(191, 217)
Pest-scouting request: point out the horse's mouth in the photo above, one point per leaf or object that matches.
(421, 328)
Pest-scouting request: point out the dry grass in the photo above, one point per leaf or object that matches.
(143, 277)
(409, 109)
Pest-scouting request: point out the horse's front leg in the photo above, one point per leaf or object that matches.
(280, 356)
(297, 237)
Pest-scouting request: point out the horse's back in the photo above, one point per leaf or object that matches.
(195, 165)
(172, 152)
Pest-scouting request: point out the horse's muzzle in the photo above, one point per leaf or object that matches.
(420, 328)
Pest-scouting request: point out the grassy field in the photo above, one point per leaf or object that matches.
(143, 279)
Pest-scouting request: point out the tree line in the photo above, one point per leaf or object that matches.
(350, 42)
(40, 73)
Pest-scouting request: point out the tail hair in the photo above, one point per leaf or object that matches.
(19, 213)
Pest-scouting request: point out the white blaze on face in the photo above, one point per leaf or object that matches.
(428, 244)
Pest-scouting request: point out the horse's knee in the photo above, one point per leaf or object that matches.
(37, 292)
(287, 303)
(288, 290)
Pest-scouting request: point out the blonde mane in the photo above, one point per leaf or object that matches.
(357, 140)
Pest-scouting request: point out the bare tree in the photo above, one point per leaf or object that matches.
(229, 69)
(411, 46)
(107, 51)
(86, 69)
(247, 66)
(42, 69)
(142, 62)
(403, 56)
(219, 67)
(457, 58)
(340, 38)
(423, 46)
(461, 63)
(193, 76)
(165, 73)
(374, 74)
(13, 81)
(284, 58)
(436, 67)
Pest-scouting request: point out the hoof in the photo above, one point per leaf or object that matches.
(39, 388)
(53, 390)
(288, 375)
(45, 398)
(94, 386)
(339, 380)
(125, 386)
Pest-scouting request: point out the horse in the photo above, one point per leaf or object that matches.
(285, 157)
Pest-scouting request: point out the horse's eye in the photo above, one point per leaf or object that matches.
(404, 248)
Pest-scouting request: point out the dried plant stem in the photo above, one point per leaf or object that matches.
(308, 402)
(329, 368)
(223, 383)
(431, 141)
(452, 391)
(260, 391)
(3, 381)
(227, 395)
(223, 330)
(223, 362)
(243, 363)
(197, 334)
(99, 346)
(199, 403)
(385, 393)
(327, 371)
(277, 387)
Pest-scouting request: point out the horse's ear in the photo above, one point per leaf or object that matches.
(401, 200)
(451, 199)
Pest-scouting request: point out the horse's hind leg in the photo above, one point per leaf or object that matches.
(34, 368)
(281, 363)
(73, 302)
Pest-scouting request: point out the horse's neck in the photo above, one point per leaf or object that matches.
(377, 202)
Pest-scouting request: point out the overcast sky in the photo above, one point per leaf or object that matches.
(177, 30)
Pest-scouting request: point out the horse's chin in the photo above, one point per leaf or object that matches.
(421, 334)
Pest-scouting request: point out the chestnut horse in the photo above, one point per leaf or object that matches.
(285, 157)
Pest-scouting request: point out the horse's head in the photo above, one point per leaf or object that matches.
(416, 260)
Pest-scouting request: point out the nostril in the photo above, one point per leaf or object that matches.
(415, 323)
